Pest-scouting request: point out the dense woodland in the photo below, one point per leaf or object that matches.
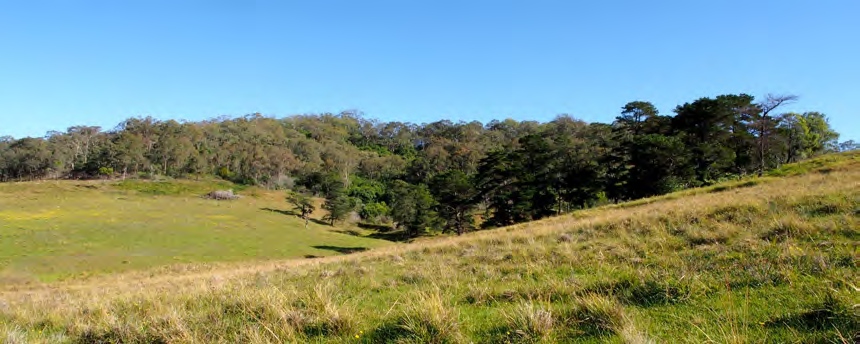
(439, 176)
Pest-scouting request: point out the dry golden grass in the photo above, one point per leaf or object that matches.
(772, 261)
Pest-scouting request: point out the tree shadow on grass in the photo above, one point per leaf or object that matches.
(347, 231)
(282, 212)
(292, 213)
(381, 232)
(340, 249)
(396, 236)
(378, 228)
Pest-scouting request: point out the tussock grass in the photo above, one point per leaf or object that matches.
(426, 317)
(596, 314)
(530, 322)
(771, 262)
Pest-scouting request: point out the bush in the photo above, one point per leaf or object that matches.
(226, 173)
(282, 182)
(374, 211)
(106, 171)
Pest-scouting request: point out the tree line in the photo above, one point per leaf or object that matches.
(443, 175)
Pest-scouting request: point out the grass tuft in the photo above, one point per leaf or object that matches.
(530, 322)
(596, 314)
(426, 318)
(326, 316)
(788, 227)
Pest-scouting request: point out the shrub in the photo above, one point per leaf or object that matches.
(282, 182)
(374, 211)
(225, 173)
(106, 171)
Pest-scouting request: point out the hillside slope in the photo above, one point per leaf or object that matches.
(761, 260)
(61, 229)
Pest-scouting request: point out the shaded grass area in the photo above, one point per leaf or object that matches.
(773, 262)
(176, 187)
(58, 230)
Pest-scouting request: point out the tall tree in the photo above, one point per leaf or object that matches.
(338, 205)
(634, 114)
(659, 166)
(765, 125)
(455, 194)
(413, 207)
(714, 132)
(303, 204)
(818, 136)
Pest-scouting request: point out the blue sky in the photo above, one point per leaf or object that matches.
(64, 63)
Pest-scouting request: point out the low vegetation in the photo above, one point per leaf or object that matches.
(771, 259)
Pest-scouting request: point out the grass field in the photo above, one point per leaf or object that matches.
(60, 229)
(761, 260)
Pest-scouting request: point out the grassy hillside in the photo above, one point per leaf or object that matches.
(762, 260)
(55, 230)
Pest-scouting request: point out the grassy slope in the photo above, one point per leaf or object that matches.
(56, 230)
(768, 260)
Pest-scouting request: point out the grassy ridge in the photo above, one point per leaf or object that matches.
(57, 230)
(770, 261)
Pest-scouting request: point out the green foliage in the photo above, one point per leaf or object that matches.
(374, 211)
(634, 115)
(106, 171)
(225, 173)
(817, 135)
(657, 165)
(366, 190)
(456, 196)
(413, 208)
(303, 205)
(715, 133)
(338, 205)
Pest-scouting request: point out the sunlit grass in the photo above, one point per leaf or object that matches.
(62, 229)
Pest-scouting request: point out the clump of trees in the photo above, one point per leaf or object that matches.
(442, 176)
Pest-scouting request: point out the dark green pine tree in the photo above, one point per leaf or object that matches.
(455, 193)
(338, 204)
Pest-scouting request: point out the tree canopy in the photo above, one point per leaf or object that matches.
(444, 176)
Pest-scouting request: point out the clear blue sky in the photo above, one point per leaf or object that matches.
(64, 62)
